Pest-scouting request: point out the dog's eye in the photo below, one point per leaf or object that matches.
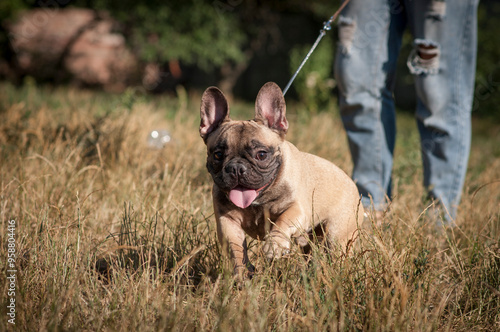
(218, 155)
(261, 155)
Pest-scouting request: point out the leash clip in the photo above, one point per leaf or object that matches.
(326, 27)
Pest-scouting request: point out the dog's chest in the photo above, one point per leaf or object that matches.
(257, 221)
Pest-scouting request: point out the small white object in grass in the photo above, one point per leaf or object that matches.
(158, 138)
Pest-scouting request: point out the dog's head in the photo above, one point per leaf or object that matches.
(244, 157)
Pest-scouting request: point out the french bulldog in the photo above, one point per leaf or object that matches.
(265, 187)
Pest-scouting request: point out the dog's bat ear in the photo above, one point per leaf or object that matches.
(270, 107)
(213, 111)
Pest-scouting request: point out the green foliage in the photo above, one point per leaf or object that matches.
(211, 34)
(194, 31)
(487, 90)
(8, 10)
(314, 83)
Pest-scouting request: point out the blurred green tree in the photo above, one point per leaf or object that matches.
(222, 37)
(8, 11)
(487, 89)
(194, 31)
(315, 84)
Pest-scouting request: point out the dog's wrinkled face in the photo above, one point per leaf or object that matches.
(243, 157)
(243, 160)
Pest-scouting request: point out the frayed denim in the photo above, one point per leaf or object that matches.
(443, 64)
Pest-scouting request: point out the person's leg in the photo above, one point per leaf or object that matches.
(443, 62)
(370, 34)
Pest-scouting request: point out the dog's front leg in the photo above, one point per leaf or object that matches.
(232, 237)
(279, 238)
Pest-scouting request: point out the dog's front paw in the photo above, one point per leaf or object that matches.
(276, 246)
(244, 272)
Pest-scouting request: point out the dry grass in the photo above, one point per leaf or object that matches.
(112, 235)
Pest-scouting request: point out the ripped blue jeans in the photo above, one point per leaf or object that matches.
(443, 65)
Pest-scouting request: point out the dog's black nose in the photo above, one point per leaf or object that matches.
(236, 170)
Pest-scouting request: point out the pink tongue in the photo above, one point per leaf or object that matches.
(242, 197)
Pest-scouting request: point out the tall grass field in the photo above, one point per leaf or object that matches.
(101, 232)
